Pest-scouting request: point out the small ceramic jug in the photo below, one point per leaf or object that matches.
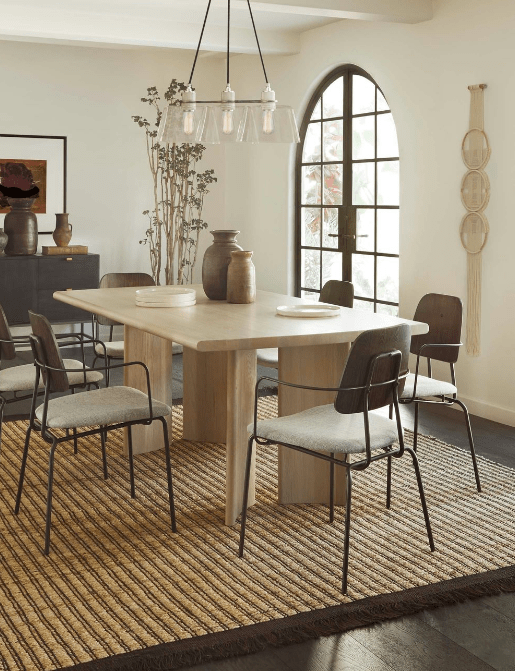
(63, 230)
(241, 278)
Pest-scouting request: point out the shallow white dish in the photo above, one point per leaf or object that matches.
(310, 311)
(171, 296)
(165, 304)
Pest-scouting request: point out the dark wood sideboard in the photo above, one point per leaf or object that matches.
(28, 283)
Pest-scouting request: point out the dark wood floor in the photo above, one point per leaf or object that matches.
(477, 635)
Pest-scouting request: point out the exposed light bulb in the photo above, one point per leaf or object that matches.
(188, 122)
(268, 121)
(188, 110)
(228, 107)
(268, 105)
(227, 122)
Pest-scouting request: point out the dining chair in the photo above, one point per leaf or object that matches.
(107, 408)
(114, 349)
(444, 315)
(372, 378)
(334, 292)
(17, 382)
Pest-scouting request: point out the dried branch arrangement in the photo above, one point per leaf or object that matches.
(175, 222)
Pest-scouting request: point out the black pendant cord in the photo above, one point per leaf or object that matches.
(199, 43)
(257, 41)
(228, 37)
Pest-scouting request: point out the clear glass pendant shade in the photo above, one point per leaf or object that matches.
(210, 123)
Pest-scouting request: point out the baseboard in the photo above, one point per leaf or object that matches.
(487, 411)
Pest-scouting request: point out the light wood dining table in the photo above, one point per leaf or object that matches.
(219, 367)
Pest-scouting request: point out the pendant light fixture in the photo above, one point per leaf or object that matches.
(228, 119)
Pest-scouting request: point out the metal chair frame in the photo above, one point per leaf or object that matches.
(25, 340)
(54, 440)
(143, 279)
(445, 400)
(349, 466)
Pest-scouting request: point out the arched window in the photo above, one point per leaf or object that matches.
(347, 185)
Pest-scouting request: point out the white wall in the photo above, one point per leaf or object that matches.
(89, 95)
(424, 71)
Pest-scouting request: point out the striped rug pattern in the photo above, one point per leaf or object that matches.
(117, 579)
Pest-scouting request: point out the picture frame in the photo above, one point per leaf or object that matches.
(46, 157)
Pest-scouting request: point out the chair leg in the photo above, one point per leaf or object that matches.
(471, 442)
(422, 497)
(347, 531)
(22, 468)
(415, 428)
(2, 406)
(388, 482)
(390, 411)
(245, 495)
(131, 462)
(74, 431)
(103, 437)
(169, 474)
(49, 496)
(108, 374)
(331, 490)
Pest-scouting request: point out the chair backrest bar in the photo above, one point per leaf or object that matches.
(366, 347)
(7, 349)
(337, 292)
(444, 315)
(117, 280)
(47, 351)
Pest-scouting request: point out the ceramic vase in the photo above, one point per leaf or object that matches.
(63, 230)
(3, 241)
(21, 226)
(241, 278)
(215, 264)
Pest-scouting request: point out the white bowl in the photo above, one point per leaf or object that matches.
(314, 311)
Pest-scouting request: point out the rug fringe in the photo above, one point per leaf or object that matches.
(306, 626)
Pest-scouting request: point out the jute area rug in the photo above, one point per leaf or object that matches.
(120, 591)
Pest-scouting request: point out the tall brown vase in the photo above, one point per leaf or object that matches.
(63, 230)
(215, 264)
(21, 226)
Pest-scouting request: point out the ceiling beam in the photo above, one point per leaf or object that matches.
(398, 11)
(113, 29)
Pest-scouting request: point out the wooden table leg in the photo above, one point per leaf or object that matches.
(241, 380)
(156, 353)
(205, 395)
(305, 479)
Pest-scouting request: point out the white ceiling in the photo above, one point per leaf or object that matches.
(177, 23)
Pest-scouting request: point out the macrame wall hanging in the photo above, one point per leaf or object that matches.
(475, 193)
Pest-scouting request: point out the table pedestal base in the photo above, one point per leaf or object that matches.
(156, 353)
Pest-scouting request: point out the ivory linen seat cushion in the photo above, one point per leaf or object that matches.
(22, 378)
(114, 349)
(268, 357)
(427, 386)
(323, 429)
(101, 407)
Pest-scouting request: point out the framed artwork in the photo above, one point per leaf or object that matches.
(42, 158)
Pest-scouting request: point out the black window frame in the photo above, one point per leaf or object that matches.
(345, 71)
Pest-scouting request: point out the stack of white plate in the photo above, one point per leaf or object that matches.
(165, 297)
